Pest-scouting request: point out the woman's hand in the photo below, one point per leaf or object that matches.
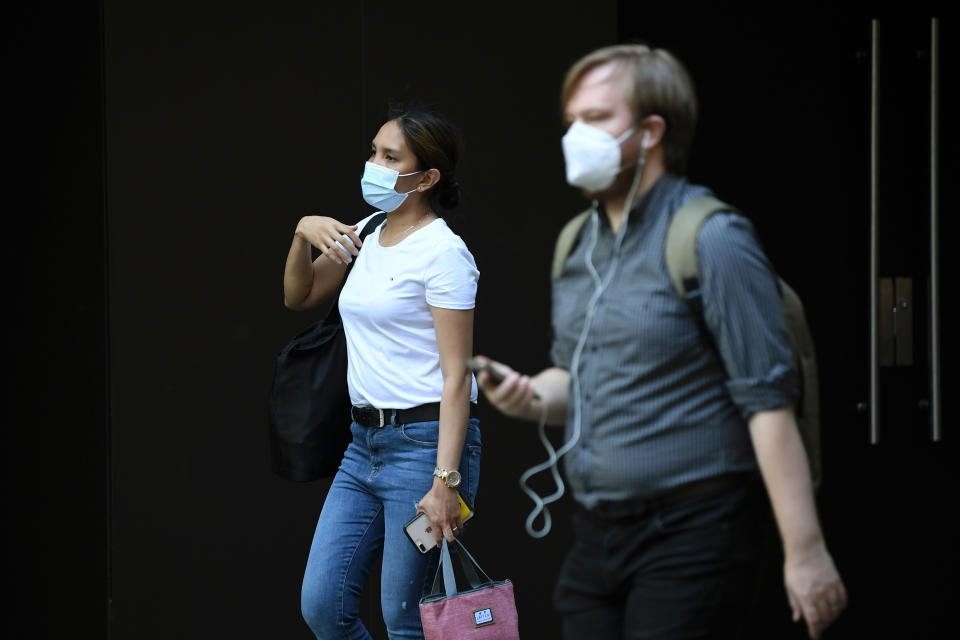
(442, 507)
(335, 240)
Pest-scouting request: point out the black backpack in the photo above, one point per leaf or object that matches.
(680, 255)
(309, 405)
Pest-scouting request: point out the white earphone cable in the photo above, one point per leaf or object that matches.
(553, 455)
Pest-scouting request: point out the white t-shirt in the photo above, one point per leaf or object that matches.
(393, 359)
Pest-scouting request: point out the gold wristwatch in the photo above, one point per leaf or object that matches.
(450, 478)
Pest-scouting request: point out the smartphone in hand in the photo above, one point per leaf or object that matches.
(420, 531)
(495, 376)
(477, 366)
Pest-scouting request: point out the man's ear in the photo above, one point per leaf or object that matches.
(654, 128)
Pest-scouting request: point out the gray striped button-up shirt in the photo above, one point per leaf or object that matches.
(660, 406)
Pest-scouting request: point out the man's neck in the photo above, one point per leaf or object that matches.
(615, 204)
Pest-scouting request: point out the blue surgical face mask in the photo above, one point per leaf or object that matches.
(379, 187)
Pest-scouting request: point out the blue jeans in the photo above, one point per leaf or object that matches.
(384, 474)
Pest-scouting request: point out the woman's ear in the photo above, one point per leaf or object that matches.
(429, 178)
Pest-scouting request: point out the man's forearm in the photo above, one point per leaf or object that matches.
(553, 388)
(783, 463)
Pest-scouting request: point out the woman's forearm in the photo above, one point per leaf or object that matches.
(297, 273)
(454, 414)
(308, 282)
(454, 330)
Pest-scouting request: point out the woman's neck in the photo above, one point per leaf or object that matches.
(404, 221)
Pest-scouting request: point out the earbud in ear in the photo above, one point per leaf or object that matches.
(646, 139)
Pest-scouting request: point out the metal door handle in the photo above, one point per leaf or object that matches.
(936, 427)
(874, 233)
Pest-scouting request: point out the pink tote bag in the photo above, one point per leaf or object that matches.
(485, 611)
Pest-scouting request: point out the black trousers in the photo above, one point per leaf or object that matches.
(674, 570)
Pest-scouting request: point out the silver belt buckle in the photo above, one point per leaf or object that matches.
(380, 411)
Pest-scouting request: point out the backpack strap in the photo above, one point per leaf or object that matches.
(680, 249)
(368, 228)
(567, 240)
(680, 255)
(334, 310)
(372, 224)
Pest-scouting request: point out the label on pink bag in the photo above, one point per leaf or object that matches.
(482, 617)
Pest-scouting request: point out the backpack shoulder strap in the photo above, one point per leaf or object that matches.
(372, 224)
(680, 254)
(805, 360)
(368, 228)
(680, 250)
(567, 240)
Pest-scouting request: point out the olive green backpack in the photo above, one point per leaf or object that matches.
(680, 254)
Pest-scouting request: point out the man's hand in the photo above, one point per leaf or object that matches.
(510, 392)
(814, 587)
(815, 590)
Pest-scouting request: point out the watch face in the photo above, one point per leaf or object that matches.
(453, 479)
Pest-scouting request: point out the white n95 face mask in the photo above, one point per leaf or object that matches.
(592, 156)
(378, 187)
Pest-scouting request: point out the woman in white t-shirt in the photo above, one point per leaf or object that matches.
(407, 308)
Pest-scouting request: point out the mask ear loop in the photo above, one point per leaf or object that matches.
(553, 455)
(404, 175)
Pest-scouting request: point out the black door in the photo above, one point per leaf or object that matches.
(789, 107)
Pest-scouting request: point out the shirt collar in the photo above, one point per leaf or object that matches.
(650, 199)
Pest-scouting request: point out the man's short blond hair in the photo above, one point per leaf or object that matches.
(660, 86)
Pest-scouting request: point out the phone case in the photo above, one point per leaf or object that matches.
(421, 533)
(465, 511)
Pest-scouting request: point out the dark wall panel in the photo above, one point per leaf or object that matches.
(225, 124)
(54, 423)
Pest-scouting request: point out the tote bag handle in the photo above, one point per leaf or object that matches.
(445, 582)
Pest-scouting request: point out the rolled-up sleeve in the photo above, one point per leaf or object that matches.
(741, 306)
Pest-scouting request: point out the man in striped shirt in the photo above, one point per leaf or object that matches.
(680, 423)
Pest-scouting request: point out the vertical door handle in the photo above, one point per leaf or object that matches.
(874, 233)
(936, 427)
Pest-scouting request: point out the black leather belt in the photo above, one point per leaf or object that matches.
(372, 417)
(615, 510)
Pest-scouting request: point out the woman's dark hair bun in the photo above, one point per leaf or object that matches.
(437, 144)
(448, 195)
